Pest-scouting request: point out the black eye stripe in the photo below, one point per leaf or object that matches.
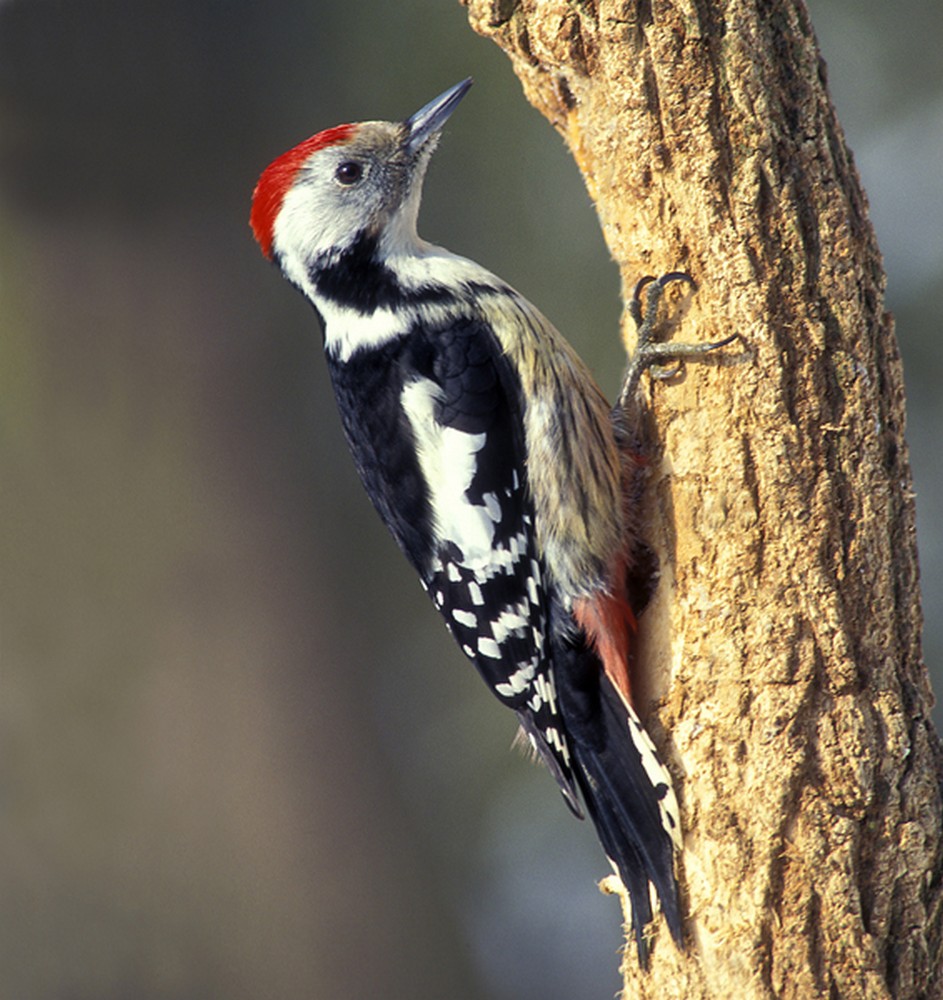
(349, 172)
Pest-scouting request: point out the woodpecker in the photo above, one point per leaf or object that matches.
(494, 460)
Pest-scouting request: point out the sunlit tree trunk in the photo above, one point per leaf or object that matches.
(782, 652)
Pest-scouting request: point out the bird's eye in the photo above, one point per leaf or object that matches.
(349, 172)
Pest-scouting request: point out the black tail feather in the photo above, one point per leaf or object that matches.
(623, 802)
(631, 871)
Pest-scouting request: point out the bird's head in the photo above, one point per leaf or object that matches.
(320, 197)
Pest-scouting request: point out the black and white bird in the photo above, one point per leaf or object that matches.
(493, 458)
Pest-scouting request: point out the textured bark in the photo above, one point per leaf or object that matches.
(782, 652)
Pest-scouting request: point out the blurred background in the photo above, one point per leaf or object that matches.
(239, 755)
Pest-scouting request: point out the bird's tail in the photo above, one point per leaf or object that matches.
(628, 794)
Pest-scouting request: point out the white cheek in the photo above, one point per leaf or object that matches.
(309, 223)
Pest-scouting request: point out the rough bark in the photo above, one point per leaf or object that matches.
(782, 653)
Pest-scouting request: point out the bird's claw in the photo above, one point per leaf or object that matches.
(650, 353)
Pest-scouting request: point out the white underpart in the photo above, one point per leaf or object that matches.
(448, 459)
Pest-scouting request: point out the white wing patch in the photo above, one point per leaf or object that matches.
(484, 574)
(447, 457)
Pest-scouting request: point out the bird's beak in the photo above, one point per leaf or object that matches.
(427, 121)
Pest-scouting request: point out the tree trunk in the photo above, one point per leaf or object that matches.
(782, 651)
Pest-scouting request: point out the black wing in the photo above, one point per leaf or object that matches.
(486, 576)
(455, 497)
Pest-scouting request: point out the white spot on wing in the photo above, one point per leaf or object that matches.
(521, 677)
(553, 737)
(546, 688)
(510, 620)
(518, 681)
(465, 618)
(488, 647)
